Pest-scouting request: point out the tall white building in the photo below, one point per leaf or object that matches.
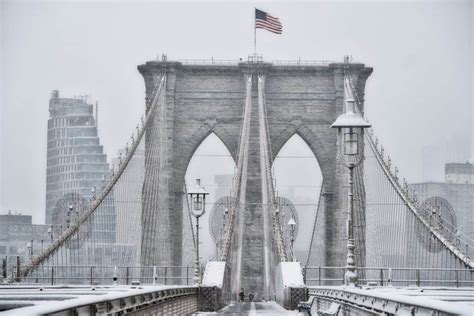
(76, 165)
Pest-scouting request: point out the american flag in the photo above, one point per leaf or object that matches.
(263, 20)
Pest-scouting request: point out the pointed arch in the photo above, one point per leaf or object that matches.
(324, 152)
(211, 162)
(301, 185)
(200, 135)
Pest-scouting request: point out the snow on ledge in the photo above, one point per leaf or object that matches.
(291, 274)
(411, 297)
(42, 307)
(214, 274)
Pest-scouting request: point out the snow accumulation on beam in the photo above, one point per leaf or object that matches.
(37, 300)
(459, 301)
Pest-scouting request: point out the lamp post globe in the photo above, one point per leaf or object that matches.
(350, 128)
(197, 195)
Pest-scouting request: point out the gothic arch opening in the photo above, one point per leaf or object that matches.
(211, 162)
(298, 177)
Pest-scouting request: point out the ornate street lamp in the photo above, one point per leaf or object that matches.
(350, 127)
(198, 207)
(292, 225)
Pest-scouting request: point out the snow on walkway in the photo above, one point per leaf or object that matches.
(253, 309)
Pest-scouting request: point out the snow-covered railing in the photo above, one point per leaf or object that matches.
(382, 276)
(156, 300)
(390, 301)
(76, 275)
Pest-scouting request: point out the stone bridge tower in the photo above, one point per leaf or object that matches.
(204, 99)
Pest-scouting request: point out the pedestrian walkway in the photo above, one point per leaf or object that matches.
(251, 309)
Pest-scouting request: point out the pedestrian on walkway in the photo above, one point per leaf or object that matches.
(242, 295)
(251, 297)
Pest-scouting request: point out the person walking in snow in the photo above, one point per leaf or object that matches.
(242, 295)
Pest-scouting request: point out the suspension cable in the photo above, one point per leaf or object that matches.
(66, 235)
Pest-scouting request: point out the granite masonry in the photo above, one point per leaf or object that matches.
(204, 99)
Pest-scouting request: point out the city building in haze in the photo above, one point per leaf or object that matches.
(460, 173)
(76, 165)
(435, 156)
(223, 185)
(20, 237)
(452, 199)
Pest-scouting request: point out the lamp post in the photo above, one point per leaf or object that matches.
(292, 225)
(350, 127)
(198, 206)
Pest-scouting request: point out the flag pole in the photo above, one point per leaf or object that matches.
(255, 32)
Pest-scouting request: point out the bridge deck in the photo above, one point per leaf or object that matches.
(254, 308)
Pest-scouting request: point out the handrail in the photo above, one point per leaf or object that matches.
(221, 62)
(387, 268)
(302, 62)
(117, 301)
(389, 303)
(217, 62)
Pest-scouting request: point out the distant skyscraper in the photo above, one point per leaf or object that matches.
(436, 155)
(223, 183)
(76, 163)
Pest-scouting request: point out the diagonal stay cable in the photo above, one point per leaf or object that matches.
(37, 260)
(459, 254)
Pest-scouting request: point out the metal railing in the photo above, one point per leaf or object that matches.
(382, 276)
(154, 300)
(104, 275)
(254, 59)
(301, 62)
(217, 62)
(355, 301)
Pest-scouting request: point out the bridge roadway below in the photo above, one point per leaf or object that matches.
(254, 308)
(141, 300)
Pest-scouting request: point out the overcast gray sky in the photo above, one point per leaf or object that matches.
(419, 93)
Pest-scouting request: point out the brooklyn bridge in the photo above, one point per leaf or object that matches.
(375, 248)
